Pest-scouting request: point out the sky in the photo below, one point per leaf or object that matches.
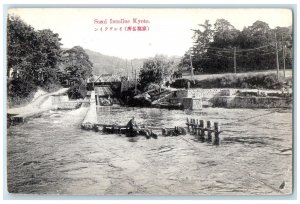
(168, 30)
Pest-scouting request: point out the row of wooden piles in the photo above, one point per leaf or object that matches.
(205, 131)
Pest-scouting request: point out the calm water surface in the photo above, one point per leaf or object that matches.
(52, 155)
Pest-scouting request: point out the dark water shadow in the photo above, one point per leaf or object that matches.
(133, 139)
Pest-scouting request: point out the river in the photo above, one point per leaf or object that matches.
(52, 155)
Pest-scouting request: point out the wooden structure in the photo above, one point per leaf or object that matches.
(105, 79)
(192, 103)
(103, 95)
(173, 131)
(121, 129)
(204, 131)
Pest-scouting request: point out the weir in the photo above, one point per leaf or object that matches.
(35, 109)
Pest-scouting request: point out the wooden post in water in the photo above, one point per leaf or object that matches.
(202, 132)
(197, 126)
(208, 127)
(96, 99)
(217, 133)
(188, 124)
(197, 129)
(193, 125)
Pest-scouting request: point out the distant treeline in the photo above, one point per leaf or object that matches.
(35, 59)
(254, 48)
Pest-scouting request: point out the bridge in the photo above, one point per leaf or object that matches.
(106, 88)
(104, 79)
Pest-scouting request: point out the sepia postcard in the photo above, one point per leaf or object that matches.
(150, 101)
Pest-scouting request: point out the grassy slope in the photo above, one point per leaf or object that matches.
(250, 80)
(211, 76)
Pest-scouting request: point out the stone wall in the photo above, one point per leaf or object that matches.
(210, 93)
(192, 103)
(181, 93)
(251, 102)
(198, 93)
(224, 98)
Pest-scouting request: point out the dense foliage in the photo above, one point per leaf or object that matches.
(32, 56)
(250, 81)
(77, 68)
(156, 70)
(35, 59)
(214, 45)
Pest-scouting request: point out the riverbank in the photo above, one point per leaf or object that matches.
(220, 97)
(252, 80)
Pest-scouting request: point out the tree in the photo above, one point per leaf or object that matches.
(32, 57)
(46, 57)
(284, 39)
(202, 36)
(259, 28)
(213, 51)
(155, 71)
(77, 65)
(224, 34)
(20, 38)
(77, 68)
(33, 54)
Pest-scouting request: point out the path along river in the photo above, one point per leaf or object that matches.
(52, 155)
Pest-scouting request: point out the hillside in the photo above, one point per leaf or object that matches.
(104, 64)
